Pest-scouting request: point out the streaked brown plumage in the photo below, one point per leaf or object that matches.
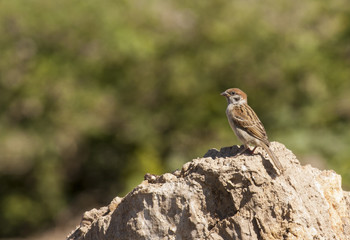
(246, 124)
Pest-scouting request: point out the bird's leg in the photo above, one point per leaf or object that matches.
(252, 151)
(246, 148)
(243, 150)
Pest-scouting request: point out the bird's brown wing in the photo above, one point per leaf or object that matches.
(244, 117)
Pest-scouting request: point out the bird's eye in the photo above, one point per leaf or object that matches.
(233, 93)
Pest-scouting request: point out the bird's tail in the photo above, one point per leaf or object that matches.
(273, 157)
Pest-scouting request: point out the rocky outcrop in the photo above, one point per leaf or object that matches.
(225, 196)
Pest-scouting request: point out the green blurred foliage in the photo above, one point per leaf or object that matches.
(96, 94)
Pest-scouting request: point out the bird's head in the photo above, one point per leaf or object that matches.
(235, 96)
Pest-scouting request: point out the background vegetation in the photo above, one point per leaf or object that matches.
(93, 94)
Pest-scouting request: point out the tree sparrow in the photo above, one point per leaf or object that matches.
(246, 124)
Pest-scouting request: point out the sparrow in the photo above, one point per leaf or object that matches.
(246, 124)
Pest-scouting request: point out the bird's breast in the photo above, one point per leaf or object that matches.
(230, 115)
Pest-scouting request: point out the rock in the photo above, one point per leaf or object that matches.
(224, 196)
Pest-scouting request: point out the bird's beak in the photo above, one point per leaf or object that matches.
(224, 94)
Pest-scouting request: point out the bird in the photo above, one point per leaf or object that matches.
(246, 124)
